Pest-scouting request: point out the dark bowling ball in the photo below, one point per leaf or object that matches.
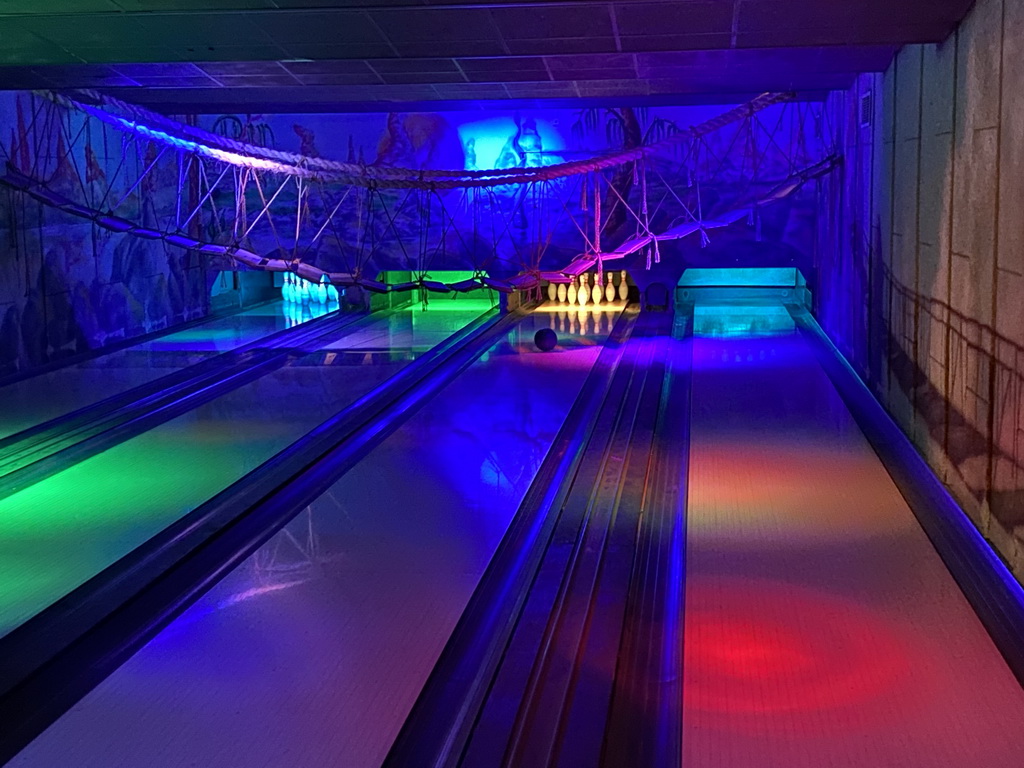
(545, 339)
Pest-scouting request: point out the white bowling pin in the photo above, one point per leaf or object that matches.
(623, 286)
(304, 290)
(562, 293)
(571, 293)
(332, 294)
(552, 292)
(597, 292)
(584, 293)
(321, 290)
(609, 288)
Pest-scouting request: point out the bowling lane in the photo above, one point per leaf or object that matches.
(56, 534)
(312, 652)
(31, 401)
(821, 627)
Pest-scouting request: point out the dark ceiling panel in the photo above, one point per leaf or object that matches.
(236, 68)
(567, 21)
(438, 26)
(454, 51)
(689, 18)
(327, 67)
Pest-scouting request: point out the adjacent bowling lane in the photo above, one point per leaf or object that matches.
(313, 651)
(40, 398)
(821, 627)
(58, 533)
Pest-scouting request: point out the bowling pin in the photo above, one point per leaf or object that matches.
(597, 292)
(562, 293)
(286, 287)
(571, 293)
(552, 292)
(623, 287)
(584, 293)
(609, 289)
(321, 290)
(304, 290)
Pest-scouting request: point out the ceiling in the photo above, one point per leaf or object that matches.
(313, 55)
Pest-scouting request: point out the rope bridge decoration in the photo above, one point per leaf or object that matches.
(261, 208)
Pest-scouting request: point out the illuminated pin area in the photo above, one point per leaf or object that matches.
(305, 300)
(588, 303)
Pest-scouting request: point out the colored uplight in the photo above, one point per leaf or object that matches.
(485, 141)
(747, 661)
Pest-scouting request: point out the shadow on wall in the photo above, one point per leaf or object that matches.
(989, 469)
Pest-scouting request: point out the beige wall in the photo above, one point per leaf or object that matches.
(940, 240)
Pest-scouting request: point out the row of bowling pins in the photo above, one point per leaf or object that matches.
(583, 322)
(585, 293)
(297, 313)
(298, 289)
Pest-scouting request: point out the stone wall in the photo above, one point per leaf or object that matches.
(921, 254)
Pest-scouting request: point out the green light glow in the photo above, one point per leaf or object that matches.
(58, 533)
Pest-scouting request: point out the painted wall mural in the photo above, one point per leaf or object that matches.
(66, 285)
(510, 228)
(70, 285)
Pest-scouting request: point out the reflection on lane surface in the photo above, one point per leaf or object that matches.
(49, 395)
(821, 627)
(60, 532)
(313, 651)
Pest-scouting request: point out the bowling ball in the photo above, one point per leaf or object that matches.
(545, 339)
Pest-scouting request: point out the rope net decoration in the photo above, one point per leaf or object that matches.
(267, 209)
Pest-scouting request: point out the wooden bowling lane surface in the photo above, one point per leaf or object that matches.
(821, 627)
(313, 651)
(31, 401)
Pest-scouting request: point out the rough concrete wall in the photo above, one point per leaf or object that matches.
(942, 337)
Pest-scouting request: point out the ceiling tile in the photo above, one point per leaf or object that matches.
(252, 81)
(264, 68)
(317, 27)
(161, 69)
(555, 46)
(364, 50)
(398, 66)
(642, 19)
(562, 21)
(369, 78)
(435, 26)
(401, 78)
(328, 67)
(675, 42)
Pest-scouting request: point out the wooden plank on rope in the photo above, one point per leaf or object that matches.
(114, 223)
(579, 266)
(499, 285)
(436, 286)
(341, 278)
(683, 230)
(628, 247)
(554, 277)
(524, 282)
(465, 286)
(371, 285)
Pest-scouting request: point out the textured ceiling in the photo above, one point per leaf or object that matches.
(310, 54)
